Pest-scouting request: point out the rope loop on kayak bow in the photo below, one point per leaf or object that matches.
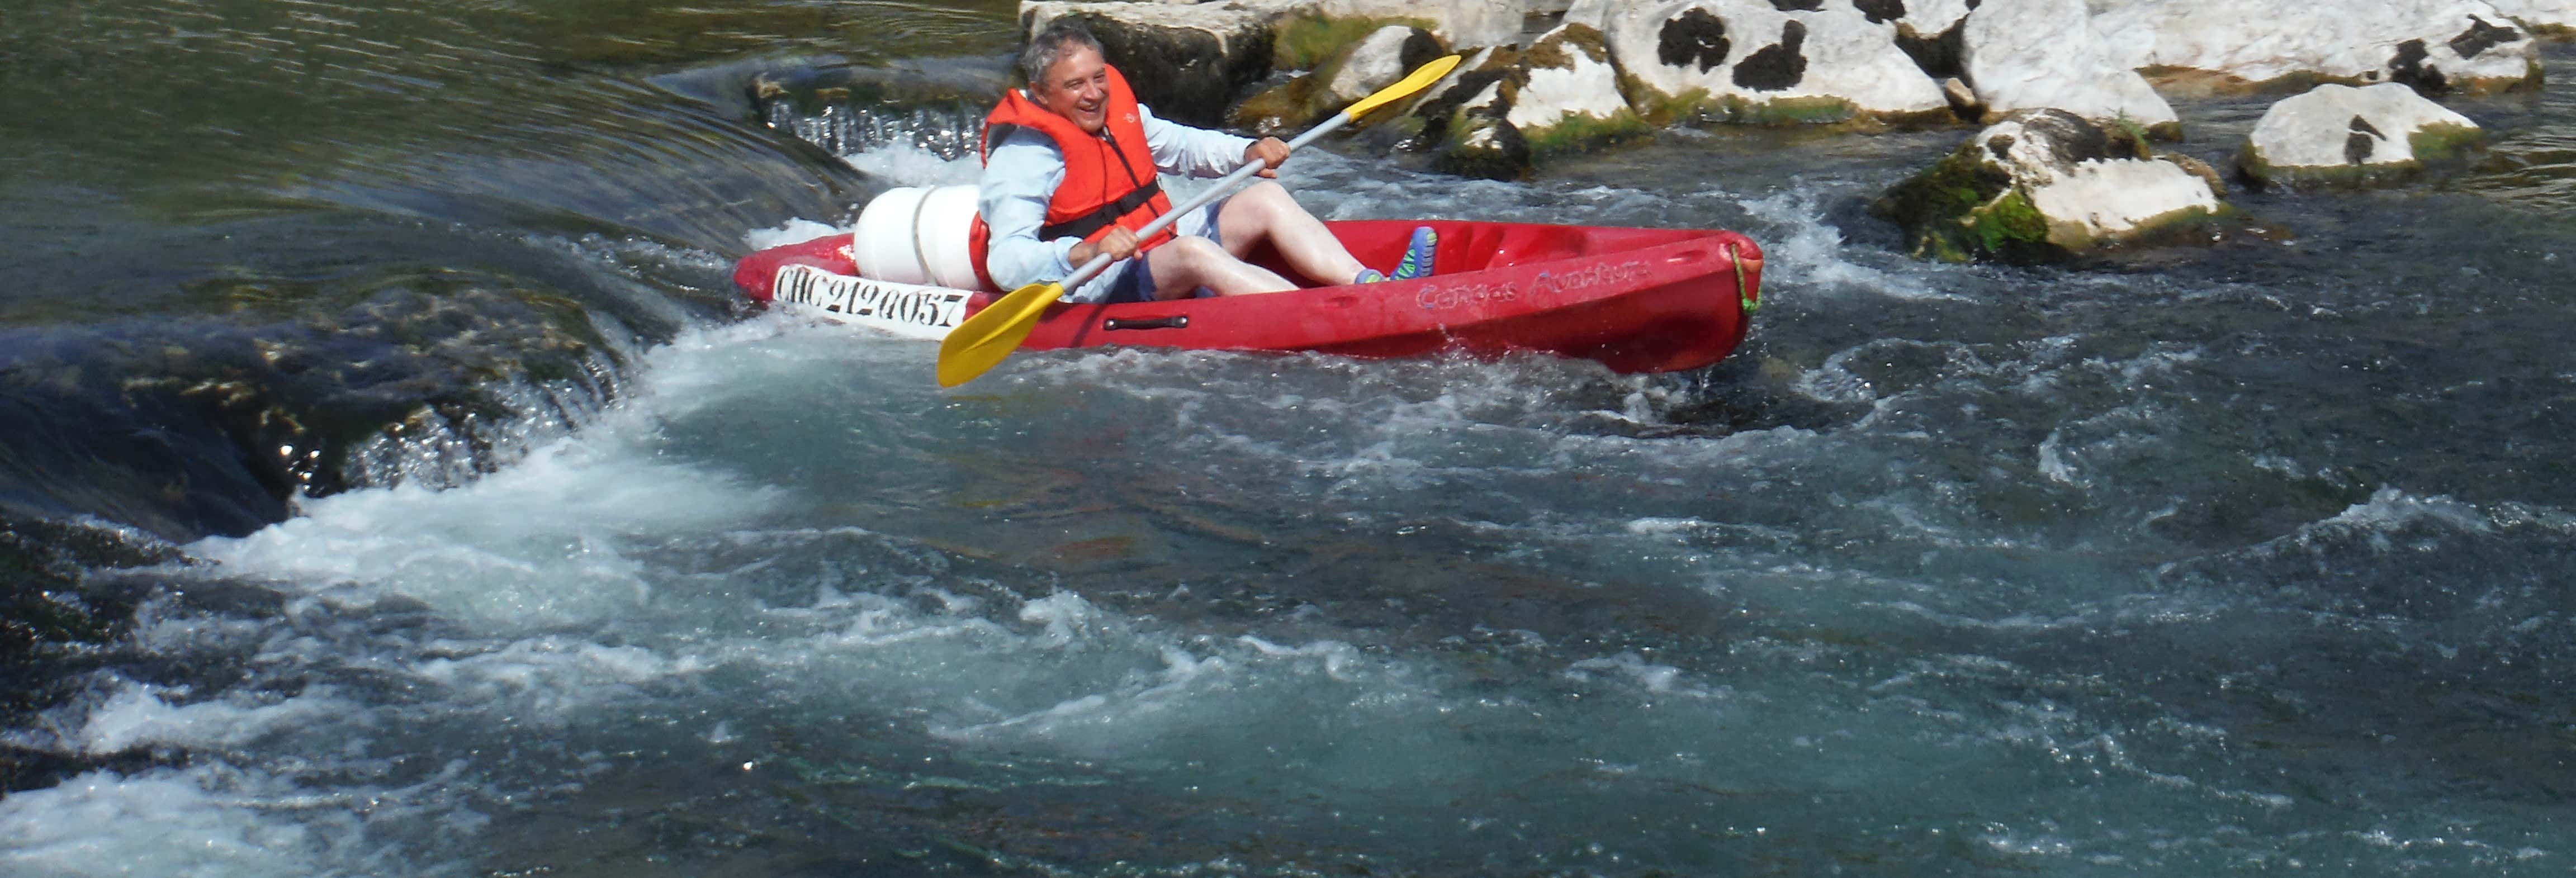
(1745, 294)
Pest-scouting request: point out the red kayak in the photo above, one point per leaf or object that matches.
(1636, 300)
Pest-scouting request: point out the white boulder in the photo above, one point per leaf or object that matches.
(1377, 61)
(2033, 54)
(1765, 61)
(1460, 22)
(2337, 134)
(1925, 17)
(2556, 17)
(1592, 13)
(2436, 45)
(2043, 185)
(1569, 93)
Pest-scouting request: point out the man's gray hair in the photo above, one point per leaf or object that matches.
(1049, 47)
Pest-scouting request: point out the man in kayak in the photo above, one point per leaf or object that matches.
(1070, 169)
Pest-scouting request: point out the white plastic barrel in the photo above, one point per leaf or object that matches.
(914, 235)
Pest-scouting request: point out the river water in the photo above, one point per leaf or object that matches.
(2245, 558)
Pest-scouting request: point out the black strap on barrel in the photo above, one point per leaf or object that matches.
(1100, 217)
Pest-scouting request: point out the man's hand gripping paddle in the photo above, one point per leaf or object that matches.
(981, 342)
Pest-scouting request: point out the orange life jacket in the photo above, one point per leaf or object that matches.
(1108, 179)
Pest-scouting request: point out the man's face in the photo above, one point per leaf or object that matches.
(1077, 88)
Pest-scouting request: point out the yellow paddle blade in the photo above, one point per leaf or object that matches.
(1421, 78)
(984, 340)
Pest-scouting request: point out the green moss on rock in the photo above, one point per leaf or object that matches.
(1579, 133)
(1938, 207)
(1658, 108)
(2198, 168)
(1303, 40)
(1967, 208)
(2436, 148)
(1284, 107)
(1570, 48)
(1558, 49)
(1698, 107)
(1790, 111)
(2438, 144)
(1478, 142)
(2007, 222)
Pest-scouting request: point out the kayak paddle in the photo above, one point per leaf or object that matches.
(981, 342)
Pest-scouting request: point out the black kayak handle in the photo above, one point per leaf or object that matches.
(1176, 321)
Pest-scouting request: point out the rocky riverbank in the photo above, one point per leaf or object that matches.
(2360, 84)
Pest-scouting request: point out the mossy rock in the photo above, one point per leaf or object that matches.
(2198, 168)
(1314, 96)
(2440, 144)
(1566, 59)
(1964, 208)
(1432, 112)
(1790, 111)
(1287, 106)
(1982, 202)
(2437, 148)
(1476, 140)
(1658, 108)
(1580, 133)
(1485, 146)
(2546, 30)
(1698, 108)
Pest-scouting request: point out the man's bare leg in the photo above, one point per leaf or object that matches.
(1265, 211)
(1186, 264)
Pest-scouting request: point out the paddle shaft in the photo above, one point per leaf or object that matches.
(1221, 189)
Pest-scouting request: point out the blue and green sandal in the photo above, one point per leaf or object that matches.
(1417, 255)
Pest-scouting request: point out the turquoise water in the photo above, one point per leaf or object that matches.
(2247, 558)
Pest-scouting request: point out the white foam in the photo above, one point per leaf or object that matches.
(1659, 679)
(794, 231)
(136, 715)
(905, 164)
(1812, 258)
(551, 681)
(2389, 509)
(1247, 686)
(202, 823)
(539, 544)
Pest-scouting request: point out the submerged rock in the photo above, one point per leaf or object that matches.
(2433, 45)
(2036, 54)
(2047, 185)
(2342, 136)
(1761, 61)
